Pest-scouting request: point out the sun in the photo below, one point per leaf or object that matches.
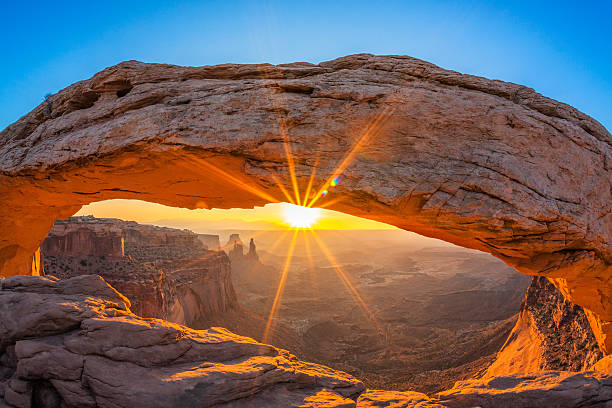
(299, 216)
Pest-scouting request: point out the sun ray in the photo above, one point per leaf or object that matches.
(310, 181)
(372, 128)
(283, 189)
(347, 283)
(231, 179)
(279, 290)
(311, 266)
(329, 203)
(291, 164)
(284, 132)
(272, 247)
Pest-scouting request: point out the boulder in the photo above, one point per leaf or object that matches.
(77, 343)
(545, 389)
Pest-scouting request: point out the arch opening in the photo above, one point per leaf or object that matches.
(359, 296)
(478, 163)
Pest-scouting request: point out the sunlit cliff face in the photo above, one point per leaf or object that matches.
(298, 221)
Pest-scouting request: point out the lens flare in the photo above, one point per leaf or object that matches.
(279, 291)
(299, 216)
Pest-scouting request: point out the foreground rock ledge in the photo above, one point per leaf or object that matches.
(484, 164)
(75, 343)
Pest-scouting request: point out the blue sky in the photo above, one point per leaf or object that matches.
(562, 49)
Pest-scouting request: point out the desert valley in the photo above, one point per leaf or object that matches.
(436, 314)
(429, 314)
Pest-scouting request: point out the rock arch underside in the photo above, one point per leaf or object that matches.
(484, 164)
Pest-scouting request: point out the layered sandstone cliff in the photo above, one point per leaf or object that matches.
(85, 236)
(167, 273)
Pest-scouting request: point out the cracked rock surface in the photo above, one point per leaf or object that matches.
(481, 163)
(75, 343)
(545, 389)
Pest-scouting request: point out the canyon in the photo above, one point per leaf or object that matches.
(432, 314)
(442, 313)
(81, 346)
(166, 273)
(483, 164)
(430, 328)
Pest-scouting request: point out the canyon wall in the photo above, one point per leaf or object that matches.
(550, 334)
(167, 273)
(81, 236)
(484, 164)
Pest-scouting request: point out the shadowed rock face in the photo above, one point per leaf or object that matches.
(167, 273)
(550, 334)
(483, 164)
(80, 346)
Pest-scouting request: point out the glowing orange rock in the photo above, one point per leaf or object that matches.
(484, 164)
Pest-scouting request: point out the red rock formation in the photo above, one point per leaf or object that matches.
(167, 273)
(235, 248)
(84, 236)
(235, 251)
(550, 334)
(560, 389)
(252, 254)
(483, 164)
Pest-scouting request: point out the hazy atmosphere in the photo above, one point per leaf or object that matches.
(271, 216)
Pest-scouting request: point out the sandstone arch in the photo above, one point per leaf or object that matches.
(483, 164)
